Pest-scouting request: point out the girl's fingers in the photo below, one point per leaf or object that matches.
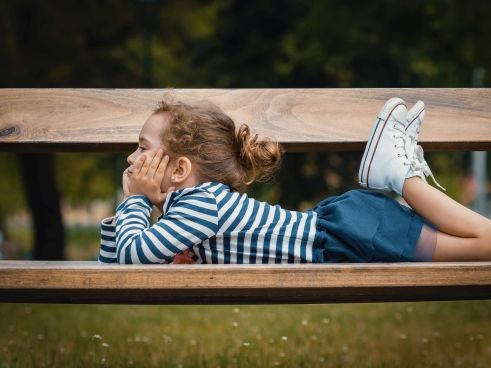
(138, 165)
(146, 164)
(154, 164)
(159, 173)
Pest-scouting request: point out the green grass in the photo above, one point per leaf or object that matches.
(360, 335)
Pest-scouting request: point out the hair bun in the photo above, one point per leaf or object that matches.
(260, 158)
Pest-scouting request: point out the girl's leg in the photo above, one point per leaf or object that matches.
(463, 234)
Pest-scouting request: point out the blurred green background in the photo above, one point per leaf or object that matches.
(234, 44)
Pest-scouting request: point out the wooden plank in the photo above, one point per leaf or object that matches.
(302, 119)
(87, 282)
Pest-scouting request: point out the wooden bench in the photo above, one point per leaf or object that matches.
(301, 119)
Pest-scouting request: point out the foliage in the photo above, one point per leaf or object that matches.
(83, 178)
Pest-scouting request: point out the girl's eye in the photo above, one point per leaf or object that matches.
(142, 148)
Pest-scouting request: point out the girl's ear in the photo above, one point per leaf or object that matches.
(182, 170)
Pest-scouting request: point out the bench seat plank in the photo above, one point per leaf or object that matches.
(301, 119)
(88, 282)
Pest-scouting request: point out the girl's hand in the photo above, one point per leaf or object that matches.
(147, 177)
(126, 183)
(183, 258)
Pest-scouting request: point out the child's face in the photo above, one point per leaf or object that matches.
(150, 139)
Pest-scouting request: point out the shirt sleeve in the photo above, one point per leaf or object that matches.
(190, 219)
(107, 250)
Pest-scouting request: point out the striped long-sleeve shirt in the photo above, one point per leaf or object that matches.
(216, 224)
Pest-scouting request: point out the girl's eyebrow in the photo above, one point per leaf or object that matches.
(143, 139)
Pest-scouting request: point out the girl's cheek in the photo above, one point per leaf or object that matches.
(166, 183)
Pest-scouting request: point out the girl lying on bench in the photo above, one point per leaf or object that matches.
(193, 165)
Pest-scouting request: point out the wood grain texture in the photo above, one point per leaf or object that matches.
(87, 282)
(301, 119)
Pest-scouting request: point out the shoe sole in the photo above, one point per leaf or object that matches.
(420, 107)
(382, 118)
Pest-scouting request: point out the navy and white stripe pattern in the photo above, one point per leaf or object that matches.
(219, 226)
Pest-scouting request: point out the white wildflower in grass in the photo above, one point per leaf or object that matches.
(236, 310)
(321, 359)
(130, 362)
(193, 342)
(105, 345)
(424, 340)
(103, 360)
(344, 348)
(40, 336)
(137, 339)
(96, 337)
(246, 344)
(282, 354)
(403, 336)
(436, 334)
(471, 338)
(276, 363)
(284, 338)
(409, 309)
(325, 320)
(167, 339)
(235, 324)
(305, 322)
(313, 338)
(145, 339)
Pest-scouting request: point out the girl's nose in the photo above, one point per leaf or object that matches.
(131, 158)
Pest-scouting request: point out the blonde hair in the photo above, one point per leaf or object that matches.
(209, 137)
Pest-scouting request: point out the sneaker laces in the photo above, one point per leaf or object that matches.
(420, 163)
(400, 142)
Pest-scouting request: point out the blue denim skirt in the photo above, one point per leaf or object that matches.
(367, 226)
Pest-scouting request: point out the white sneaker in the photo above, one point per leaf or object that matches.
(419, 166)
(414, 119)
(384, 165)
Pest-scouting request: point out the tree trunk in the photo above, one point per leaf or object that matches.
(43, 199)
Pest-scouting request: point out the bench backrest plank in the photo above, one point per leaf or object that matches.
(301, 119)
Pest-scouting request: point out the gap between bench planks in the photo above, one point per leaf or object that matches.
(302, 120)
